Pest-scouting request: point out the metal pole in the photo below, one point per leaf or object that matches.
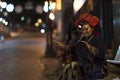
(49, 46)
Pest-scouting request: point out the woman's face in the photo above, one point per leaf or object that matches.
(87, 30)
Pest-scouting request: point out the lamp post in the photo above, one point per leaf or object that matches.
(50, 24)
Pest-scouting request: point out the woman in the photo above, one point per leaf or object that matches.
(89, 50)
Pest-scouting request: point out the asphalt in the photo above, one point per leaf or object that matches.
(24, 59)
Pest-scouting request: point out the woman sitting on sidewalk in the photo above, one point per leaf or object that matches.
(90, 63)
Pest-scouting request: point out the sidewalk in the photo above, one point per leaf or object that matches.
(113, 72)
(51, 65)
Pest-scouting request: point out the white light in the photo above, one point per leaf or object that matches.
(10, 7)
(79, 26)
(6, 23)
(3, 4)
(46, 3)
(52, 16)
(1, 19)
(42, 30)
(45, 8)
(77, 4)
(52, 6)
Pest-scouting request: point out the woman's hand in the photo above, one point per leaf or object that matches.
(91, 48)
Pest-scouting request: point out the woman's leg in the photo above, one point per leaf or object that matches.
(76, 71)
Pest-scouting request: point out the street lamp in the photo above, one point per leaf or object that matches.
(50, 26)
(50, 17)
(77, 4)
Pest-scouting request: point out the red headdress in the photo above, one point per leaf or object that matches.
(90, 19)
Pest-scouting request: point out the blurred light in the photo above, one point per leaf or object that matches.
(58, 5)
(52, 16)
(22, 18)
(52, 6)
(46, 3)
(45, 7)
(43, 25)
(42, 30)
(14, 34)
(3, 4)
(39, 20)
(10, 7)
(77, 4)
(1, 19)
(6, 23)
(79, 26)
(18, 9)
(5, 13)
(39, 9)
(36, 24)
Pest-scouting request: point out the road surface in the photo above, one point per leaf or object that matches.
(21, 58)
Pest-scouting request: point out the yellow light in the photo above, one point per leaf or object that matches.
(39, 20)
(58, 5)
(36, 24)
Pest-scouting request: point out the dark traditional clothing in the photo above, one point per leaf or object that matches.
(90, 53)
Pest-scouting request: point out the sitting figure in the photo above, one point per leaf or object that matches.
(89, 49)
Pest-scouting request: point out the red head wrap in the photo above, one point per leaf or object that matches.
(85, 17)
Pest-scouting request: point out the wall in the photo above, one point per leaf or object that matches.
(116, 23)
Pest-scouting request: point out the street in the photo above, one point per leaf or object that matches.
(21, 58)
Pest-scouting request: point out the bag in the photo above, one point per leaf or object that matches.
(98, 72)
